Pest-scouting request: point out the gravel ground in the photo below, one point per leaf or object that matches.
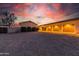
(38, 44)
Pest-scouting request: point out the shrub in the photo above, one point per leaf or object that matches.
(23, 29)
(34, 29)
(29, 29)
(3, 30)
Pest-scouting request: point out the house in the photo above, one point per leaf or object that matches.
(28, 26)
(66, 26)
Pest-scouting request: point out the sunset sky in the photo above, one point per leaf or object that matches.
(43, 13)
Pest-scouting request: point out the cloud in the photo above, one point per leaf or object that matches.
(55, 11)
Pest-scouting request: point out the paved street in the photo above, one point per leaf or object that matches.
(38, 44)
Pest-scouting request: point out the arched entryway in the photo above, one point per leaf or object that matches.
(49, 28)
(57, 28)
(69, 28)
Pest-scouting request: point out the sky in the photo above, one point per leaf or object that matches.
(42, 13)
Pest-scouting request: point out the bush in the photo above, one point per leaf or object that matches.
(29, 29)
(23, 29)
(34, 29)
(3, 30)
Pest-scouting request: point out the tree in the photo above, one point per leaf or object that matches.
(8, 18)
